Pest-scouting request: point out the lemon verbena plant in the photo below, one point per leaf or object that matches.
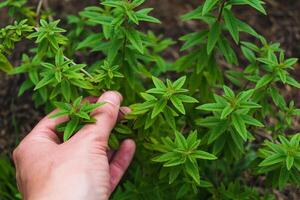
(206, 124)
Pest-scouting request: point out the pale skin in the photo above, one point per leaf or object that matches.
(82, 167)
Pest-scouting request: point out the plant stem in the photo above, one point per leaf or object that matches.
(123, 50)
(221, 10)
(82, 70)
(38, 10)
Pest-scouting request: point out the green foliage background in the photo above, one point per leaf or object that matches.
(198, 125)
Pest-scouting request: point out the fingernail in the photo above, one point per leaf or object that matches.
(113, 97)
(125, 110)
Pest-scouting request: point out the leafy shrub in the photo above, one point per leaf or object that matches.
(205, 126)
(8, 186)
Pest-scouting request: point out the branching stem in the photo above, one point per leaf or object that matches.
(221, 10)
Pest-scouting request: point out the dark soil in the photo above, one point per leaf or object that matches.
(18, 114)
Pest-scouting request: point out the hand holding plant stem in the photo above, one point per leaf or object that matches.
(87, 168)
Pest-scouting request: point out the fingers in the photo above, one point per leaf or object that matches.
(123, 111)
(106, 117)
(50, 123)
(120, 162)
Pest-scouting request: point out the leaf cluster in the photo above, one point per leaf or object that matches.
(206, 114)
(78, 114)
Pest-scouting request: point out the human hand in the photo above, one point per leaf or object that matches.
(82, 167)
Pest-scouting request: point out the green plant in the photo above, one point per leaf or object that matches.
(78, 113)
(202, 118)
(181, 155)
(281, 161)
(230, 124)
(8, 186)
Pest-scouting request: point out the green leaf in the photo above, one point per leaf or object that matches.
(232, 25)
(174, 172)
(45, 81)
(194, 14)
(132, 16)
(158, 83)
(292, 82)
(183, 191)
(251, 121)
(256, 4)
(245, 95)
(217, 130)
(283, 177)
(203, 155)
(266, 79)
(277, 97)
(90, 107)
(244, 27)
(227, 111)
(186, 98)
(83, 115)
(113, 142)
(137, 3)
(158, 107)
(156, 91)
(123, 129)
(90, 41)
(63, 106)
(60, 114)
(272, 160)
(206, 184)
(178, 104)
(25, 86)
(70, 128)
(289, 162)
(77, 101)
(179, 83)
(210, 121)
(147, 97)
(174, 162)
(228, 91)
(295, 140)
(249, 54)
(211, 107)
(180, 140)
(142, 15)
(282, 75)
(168, 114)
(193, 39)
(114, 4)
(291, 61)
(5, 64)
(239, 125)
(135, 39)
(192, 169)
(213, 37)
(66, 90)
(208, 6)
(228, 52)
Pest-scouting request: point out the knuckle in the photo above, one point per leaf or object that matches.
(110, 111)
(97, 140)
(16, 154)
(118, 166)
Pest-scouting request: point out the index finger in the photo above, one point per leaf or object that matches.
(46, 127)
